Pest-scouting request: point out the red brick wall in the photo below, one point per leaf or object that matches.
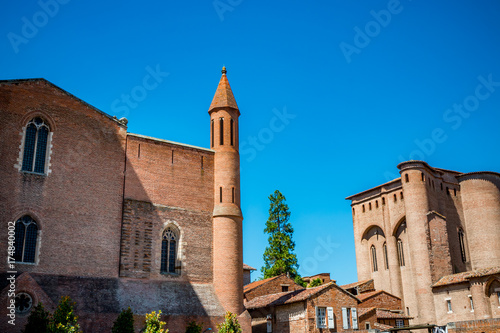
(331, 297)
(78, 205)
(272, 287)
(169, 174)
(143, 225)
(383, 301)
(479, 326)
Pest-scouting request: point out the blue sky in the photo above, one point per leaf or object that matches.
(332, 94)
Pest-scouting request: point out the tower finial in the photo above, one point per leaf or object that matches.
(224, 71)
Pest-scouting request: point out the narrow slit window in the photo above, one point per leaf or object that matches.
(401, 254)
(395, 198)
(212, 136)
(232, 131)
(232, 194)
(221, 131)
(370, 206)
(448, 305)
(401, 195)
(423, 176)
(202, 163)
(139, 151)
(407, 178)
(461, 242)
(220, 193)
(363, 208)
(376, 203)
(374, 258)
(383, 201)
(386, 258)
(172, 157)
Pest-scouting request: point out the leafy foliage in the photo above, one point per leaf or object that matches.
(124, 323)
(154, 324)
(38, 320)
(64, 319)
(314, 283)
(230, 324)
(278, 256)
(193, 327)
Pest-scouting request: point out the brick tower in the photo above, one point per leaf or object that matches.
(227, 217)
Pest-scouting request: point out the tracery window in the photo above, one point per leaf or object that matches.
(168, 251)
(26, 235)
(35, 146)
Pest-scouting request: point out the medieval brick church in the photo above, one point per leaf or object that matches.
(114, 219)
(432, 238)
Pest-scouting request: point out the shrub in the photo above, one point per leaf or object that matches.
(314, 283)
(38, 320)
(154, 324)
(64, 319)
(230, 324)
(193, 327)
(124, 323)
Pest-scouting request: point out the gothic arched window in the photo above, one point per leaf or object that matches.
(35, 146)
(401, 254)
(26, 235)
(168, 251)
(374, 258)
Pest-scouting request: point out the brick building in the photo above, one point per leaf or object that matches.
(431, 237)
(326, 308)
(115, 219)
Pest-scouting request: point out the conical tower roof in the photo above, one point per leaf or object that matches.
(224, 97)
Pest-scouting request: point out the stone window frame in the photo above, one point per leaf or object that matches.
(400, 323)
(27, 120)
(471, 302)
(373, 256)
(448, 305)
(180, 255)
(38, 244)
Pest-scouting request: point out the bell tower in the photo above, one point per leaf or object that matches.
(227, 217)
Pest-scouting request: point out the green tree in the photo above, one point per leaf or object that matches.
(154, 324)
(64, 319)
(279, 257)
(193, 327)
(230, 324)
(124, 323)
(314, 283)
(38, 320)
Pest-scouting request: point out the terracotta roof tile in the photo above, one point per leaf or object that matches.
(290, 297)
(248, 268)
(386, 314)
(369, 294)
(255, 284)
(465, 276)
(354, 284)
(382, 326)
(223, 95)
(363, 311)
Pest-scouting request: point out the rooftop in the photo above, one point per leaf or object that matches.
(465, 276)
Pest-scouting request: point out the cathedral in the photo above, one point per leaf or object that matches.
(115, 219)
(432, 238)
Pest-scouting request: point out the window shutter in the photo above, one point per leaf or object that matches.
(331, 318)
(318, 324)
(345, 320)
(354, 318)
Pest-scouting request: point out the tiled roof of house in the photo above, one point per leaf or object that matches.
(387, 314)
(381, 326)
(290, 296)
(248, 268)
(365, 311)
(354, 284)
(465, 276)
(255, 284)
(369, 294)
